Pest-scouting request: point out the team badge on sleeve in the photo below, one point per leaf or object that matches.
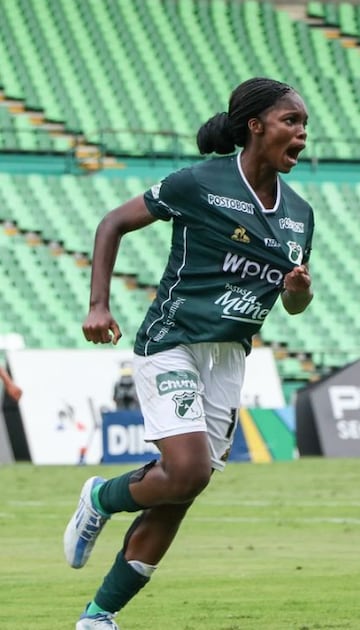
(295, 252)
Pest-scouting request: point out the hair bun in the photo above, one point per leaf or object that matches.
(215, 136)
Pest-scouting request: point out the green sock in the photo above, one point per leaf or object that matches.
(96, 501)
(94, 609)
(115, 496)
(119, 585)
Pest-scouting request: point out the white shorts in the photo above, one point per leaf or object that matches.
(192, 388)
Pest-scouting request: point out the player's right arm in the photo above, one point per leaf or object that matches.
(11, 388)
(100, 326)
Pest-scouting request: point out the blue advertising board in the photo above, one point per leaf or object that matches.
(123, 438)
(261, 435)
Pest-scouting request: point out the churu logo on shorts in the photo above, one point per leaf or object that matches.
(176, 380)
(233, 204)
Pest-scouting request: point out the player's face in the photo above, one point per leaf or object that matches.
(284, 133)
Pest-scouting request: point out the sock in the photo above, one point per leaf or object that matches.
(119, 586)
(94, 609)
(96, 501)
(142, 567)
(115, 496)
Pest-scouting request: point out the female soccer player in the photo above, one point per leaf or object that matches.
(241, 238)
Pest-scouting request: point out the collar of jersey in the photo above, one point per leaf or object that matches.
(252, 191)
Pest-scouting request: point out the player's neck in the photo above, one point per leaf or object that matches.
(262, 180)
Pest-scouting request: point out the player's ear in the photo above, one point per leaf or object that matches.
(255, 126)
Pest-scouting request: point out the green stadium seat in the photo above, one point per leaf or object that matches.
(177, 64)
(348, 20)
(130, 66)
(315, 9)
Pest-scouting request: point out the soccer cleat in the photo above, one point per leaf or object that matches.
(100, 621)
(83, 528)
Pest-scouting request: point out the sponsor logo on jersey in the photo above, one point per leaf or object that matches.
(187, 405)
(244, 309)
(295, 252)
(246, 267)
(228, 202)
(288, 224)
(176, 380)
(240, 235)
(271, 242)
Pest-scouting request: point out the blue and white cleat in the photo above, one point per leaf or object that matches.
(100, 621)
(83, 529)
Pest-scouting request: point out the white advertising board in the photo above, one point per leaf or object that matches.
(65, 392)
(262, 384)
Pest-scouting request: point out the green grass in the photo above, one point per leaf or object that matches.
(273, 547)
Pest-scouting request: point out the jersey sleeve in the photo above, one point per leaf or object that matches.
(173, 197)
(308, 245)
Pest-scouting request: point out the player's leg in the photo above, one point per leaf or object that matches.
(148, 538)
(151, 534)
(182, 473)
(174, 418)
(179, 476)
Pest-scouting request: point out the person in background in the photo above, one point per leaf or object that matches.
(241, 239)
(124, 394)
(10, 387)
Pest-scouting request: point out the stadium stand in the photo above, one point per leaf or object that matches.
(103, 82)
(179, 63)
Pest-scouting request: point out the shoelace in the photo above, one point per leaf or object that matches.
(92, 526)
(100, 618)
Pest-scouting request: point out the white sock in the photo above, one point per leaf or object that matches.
(141, 567)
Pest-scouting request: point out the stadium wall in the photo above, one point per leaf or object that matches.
(66, 393)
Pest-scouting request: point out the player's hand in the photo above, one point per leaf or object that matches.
(14, 391)
(297, 280)
(101, 327)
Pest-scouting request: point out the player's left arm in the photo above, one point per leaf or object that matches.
(297, 293)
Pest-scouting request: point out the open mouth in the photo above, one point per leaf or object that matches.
(292, 153)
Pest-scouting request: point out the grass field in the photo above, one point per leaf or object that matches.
(273, 547)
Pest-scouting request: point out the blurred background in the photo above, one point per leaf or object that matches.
(99, 99)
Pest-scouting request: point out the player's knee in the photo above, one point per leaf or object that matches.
(188, 484)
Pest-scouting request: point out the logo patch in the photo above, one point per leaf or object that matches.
(288, 224)
(271, 242)
(172, 381)
(187, 405)
(240, 235)
(295, 252)
(228, 202)
(245, 267)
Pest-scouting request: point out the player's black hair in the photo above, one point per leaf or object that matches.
(224, 131)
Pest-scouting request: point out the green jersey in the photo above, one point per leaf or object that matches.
(228, 255)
